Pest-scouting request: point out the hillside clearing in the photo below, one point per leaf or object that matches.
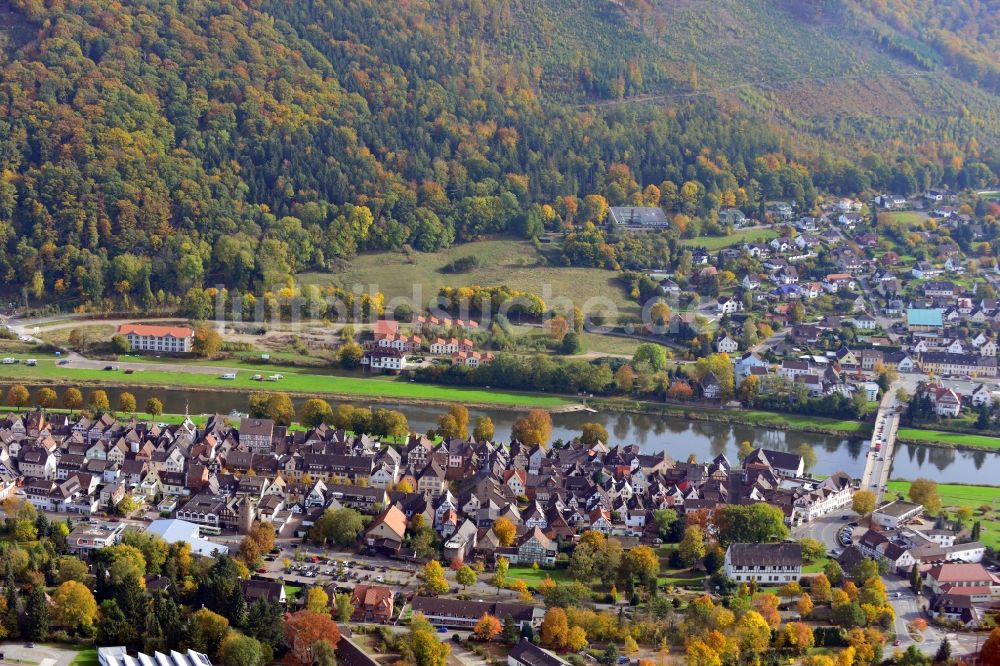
(514, 263)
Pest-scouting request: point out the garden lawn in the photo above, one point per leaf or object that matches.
(737, 237)
(686, 578)
(949, 438)
(815, 567)
(295, 381)
(532, 577)
(955, 495)
(85, 657)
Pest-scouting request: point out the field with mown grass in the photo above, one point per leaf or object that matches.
(737, 237)
(294, 381)
(515, 263)
(532, 577)
(954, 496)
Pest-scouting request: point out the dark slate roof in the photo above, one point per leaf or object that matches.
(768, 554)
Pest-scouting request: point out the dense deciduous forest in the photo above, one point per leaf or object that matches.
(154, 146)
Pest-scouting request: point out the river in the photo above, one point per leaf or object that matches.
(680, 438)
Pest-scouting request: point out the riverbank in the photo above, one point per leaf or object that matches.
(948, 439)
(294, 382)
(308, 382)
(984, 501)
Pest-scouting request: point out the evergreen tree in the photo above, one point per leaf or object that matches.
(976, 530)
(35, 626)
(131, 600)
(916, 581)
(943, 652)
(510, 633)
(113, 627)
(264, 622)
(168, 620)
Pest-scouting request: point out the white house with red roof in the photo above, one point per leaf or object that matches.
(150, 337)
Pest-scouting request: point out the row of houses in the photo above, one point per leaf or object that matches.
(224, 476)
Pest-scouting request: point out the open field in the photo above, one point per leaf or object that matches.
(532, 577)
(609, 344)
(294, 381)
(954, 496)
(515, 263)
(956, 439)
(901, 218)
(737, 237)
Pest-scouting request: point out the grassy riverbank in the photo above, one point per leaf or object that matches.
(949, 439)
(983, 500)
(294, 381)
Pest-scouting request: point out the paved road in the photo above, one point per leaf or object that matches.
(825, 529)
(44, 655)
(882, 445)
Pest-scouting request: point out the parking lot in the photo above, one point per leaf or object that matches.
(306, 566)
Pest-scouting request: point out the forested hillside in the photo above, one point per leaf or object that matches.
(154, 146)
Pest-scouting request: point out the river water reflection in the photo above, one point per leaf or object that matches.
(680, 438)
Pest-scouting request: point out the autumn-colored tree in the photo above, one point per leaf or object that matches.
(520, 588)
(505, 531)
(533, 428)
(990, 654)
(126, 402)
(804, 605)
(925, 492)
(796, 636)
(74, 606)
(18, 396)
(863, 502)
(692, 545)
(556, 327)
(591, 433)
(483, 430)
(454, 423)
(154, 407)
(577, 639)
(465, 576)
(45, 397)
(432, 580)
(753, 631)
(99, 401)
(317, 600)
(72, 398)
(315, 411)
(555, 628)
(487, 628)
(767, 606)
(820, 588)
(625, 378)
(700, 654)
(499, 578)
(304, 628)
(207, 341)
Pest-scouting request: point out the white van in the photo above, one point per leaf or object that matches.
(228, 375)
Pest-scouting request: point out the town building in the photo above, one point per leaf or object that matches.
(155, 338)
(766, 563)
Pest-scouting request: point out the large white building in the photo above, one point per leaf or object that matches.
(173, 530)
(766, 563)
(117, 656)
(149, 337)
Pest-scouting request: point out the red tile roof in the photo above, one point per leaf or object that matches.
(156, 331)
